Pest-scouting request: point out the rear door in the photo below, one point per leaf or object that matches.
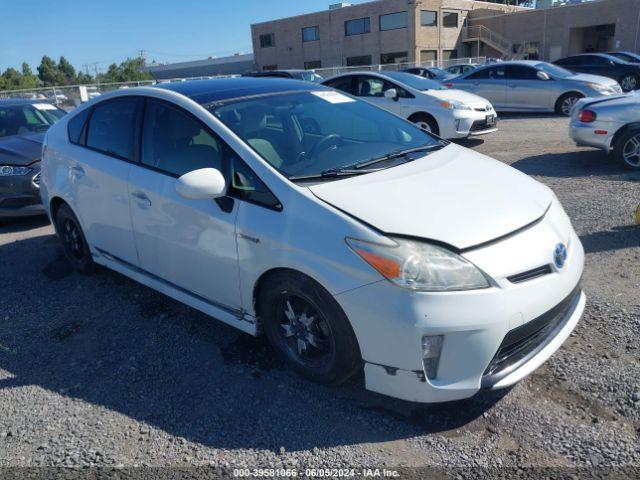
(489, 83)
(190, 244)
(98, 175)
(524, 89)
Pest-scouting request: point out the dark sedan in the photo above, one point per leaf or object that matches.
(627, 74)
(22, 127)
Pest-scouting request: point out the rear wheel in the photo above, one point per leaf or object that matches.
(74, 244)
(627, 149)
(425, 122)
(308, 329)
(628, 82)
(565, 103)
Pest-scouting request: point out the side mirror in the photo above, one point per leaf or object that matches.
(391, 94)
(543, 75)
(202, 184)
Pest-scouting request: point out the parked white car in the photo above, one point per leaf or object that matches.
(427, 103)
(350, 237)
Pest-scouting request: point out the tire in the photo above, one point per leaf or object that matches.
(425, 122)
(73, 241)
(628, 82)
(566, 102)
(308, 329)
(627, 149)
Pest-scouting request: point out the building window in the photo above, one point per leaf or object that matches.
(428, 55)
(395, 57)
(450, 19)
(393, 21)
(449, 54)
(428, 18)
(532, 50)
(270, 67)
(311, 34)
(312, 64)
(268, 40)
(359, 61)
(357, 26)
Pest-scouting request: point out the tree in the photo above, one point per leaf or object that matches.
(66, 71)
(28, 79)
(48, 71)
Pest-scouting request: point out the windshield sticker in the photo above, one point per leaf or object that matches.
(332, 97)
(44, 106)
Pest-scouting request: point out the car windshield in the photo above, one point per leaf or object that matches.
(415, 81)
(438, 71)
(555, 70)
(27, 118)
(308, 134)
(310, 76)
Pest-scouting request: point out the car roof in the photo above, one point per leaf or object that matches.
(221, 89)
(595, 54)
(21, 101)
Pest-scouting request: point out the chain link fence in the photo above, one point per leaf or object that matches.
(70, 96)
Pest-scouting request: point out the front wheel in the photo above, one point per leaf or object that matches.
(426, 123)
(565, 104)
(627, 149)
(628, 82)
(308, 329)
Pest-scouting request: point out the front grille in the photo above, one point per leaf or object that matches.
(530, 274)
(36, 179)
(523, 343)
(480, 125)
(482, 109)
(18, 202)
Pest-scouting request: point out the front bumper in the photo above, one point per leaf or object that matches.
(20, 195)
(390, 322)
(474, 122)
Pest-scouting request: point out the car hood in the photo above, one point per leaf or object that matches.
(455, 196)
(587, 78)
(631, 99)
(21, 149)
(460, 95)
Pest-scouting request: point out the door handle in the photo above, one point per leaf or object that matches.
(142, 199)
(77, 172)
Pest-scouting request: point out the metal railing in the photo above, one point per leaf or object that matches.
(480, 32)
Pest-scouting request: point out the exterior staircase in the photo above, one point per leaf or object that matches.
(481, 34)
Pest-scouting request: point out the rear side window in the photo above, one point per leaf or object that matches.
(176, 143)
(111, 127)
(343, 84)
(76, 125)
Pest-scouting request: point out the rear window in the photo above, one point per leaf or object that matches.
(75, 127)
(111, 126)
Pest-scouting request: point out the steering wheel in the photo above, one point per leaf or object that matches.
(331, 140)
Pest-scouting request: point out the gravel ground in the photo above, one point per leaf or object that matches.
(99, 370)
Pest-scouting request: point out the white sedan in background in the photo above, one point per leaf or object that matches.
(427, 103)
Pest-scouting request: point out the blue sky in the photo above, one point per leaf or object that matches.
(108, 31)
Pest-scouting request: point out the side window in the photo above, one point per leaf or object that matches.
(177, 143)
(484, 73)
(569, 62)
(111, 127)
(343, 83)
(75, 127)
(246, 185)
(598, 61)
(520, 72)
(370, 87)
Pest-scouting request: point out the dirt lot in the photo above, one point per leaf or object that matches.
(99, 370)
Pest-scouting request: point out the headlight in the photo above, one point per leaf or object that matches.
(454, 105)
(420, 266)
(604, 89)
(9, 170)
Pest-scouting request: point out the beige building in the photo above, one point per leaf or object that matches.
(552, 33)
(384, 31)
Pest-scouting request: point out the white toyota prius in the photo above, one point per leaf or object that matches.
(348, 236)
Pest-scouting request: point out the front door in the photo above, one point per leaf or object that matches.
(191, 244)
(524, 89)
(489, 83)
(372, 90)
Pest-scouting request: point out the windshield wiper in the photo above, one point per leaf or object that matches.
(334, 172)
(399, 154)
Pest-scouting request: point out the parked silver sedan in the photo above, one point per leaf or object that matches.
(610, 124)
(533, 86)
